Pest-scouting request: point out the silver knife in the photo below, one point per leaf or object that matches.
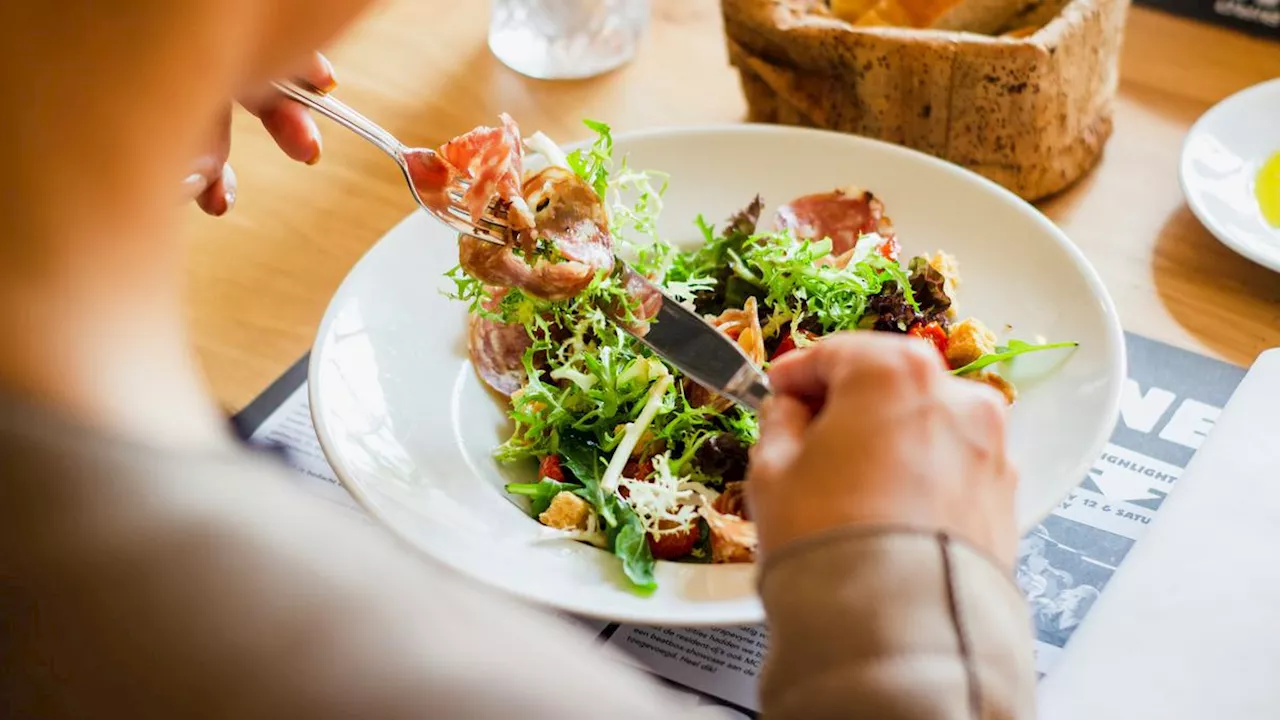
(675, 333)
(696, 348)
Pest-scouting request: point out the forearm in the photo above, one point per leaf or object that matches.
(895, 625)
(107, 103)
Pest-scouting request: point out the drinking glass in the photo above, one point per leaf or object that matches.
(566, 39)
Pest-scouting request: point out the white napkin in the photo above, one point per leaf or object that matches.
(1189, 626)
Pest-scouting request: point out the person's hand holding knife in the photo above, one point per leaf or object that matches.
(868, 429)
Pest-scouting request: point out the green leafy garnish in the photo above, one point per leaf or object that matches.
(1006, 352)
(593, 164)
(540, 493)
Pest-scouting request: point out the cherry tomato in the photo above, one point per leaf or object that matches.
(677, 544)
(932, 332)
(550, 468)
(787, 344)
(638, 469)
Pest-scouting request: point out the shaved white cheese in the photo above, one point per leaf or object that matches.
(665, 503)
(547, 148)
(699, 492)
(635, 429)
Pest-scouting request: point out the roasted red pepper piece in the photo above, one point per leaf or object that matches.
(550, 468)
(891, 248)
(932, 332)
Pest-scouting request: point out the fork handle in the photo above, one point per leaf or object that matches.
(343, 114)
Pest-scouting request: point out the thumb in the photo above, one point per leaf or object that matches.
(783, 422)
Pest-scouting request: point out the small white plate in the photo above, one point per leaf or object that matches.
(410, 430)
(1220, 161)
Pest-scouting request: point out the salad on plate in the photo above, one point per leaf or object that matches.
(631, 456)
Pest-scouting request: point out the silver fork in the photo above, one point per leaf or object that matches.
(492, 227)
(675, 332)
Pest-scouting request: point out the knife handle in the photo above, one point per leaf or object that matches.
(749, 387)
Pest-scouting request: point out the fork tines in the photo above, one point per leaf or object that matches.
(495, 214)
(491, 227)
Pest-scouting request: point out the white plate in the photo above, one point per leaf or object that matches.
(409, 429)
(1220, 161)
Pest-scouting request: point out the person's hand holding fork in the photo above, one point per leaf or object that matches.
(212, 182)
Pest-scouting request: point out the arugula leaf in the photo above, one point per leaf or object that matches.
(540, 493)
(1006, 352)
(593, 164)
(582, 458)
(631, 545)
(623, 529)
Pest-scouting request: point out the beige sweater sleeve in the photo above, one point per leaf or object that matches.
(143, 584)
(895, 625)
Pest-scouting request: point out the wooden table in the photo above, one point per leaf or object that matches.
(262, 276)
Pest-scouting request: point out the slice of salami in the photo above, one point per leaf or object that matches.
(844, 214)
(497, 352)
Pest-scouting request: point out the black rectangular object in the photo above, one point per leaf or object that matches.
(1256, 17)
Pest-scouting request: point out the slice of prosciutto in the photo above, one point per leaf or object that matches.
(844, 215)
(497, 349)
(490, 158)
(560, 239)
(570, 221)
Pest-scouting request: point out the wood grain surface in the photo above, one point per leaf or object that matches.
(260, 277)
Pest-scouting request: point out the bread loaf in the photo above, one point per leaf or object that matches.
(1031, 113)
(979, 16)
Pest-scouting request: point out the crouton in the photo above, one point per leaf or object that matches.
(969, 340)
(566, 512)
(1005, 387)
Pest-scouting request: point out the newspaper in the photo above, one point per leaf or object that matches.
(1170, 402)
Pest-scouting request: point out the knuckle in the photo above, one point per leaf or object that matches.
(920, 361)
(990, 409)
(985, 419)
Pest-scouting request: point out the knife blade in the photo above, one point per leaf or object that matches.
(694, 346)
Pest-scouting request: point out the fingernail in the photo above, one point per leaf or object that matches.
(319, 150)
(333, 78)
(194, 184)
(229, 186)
